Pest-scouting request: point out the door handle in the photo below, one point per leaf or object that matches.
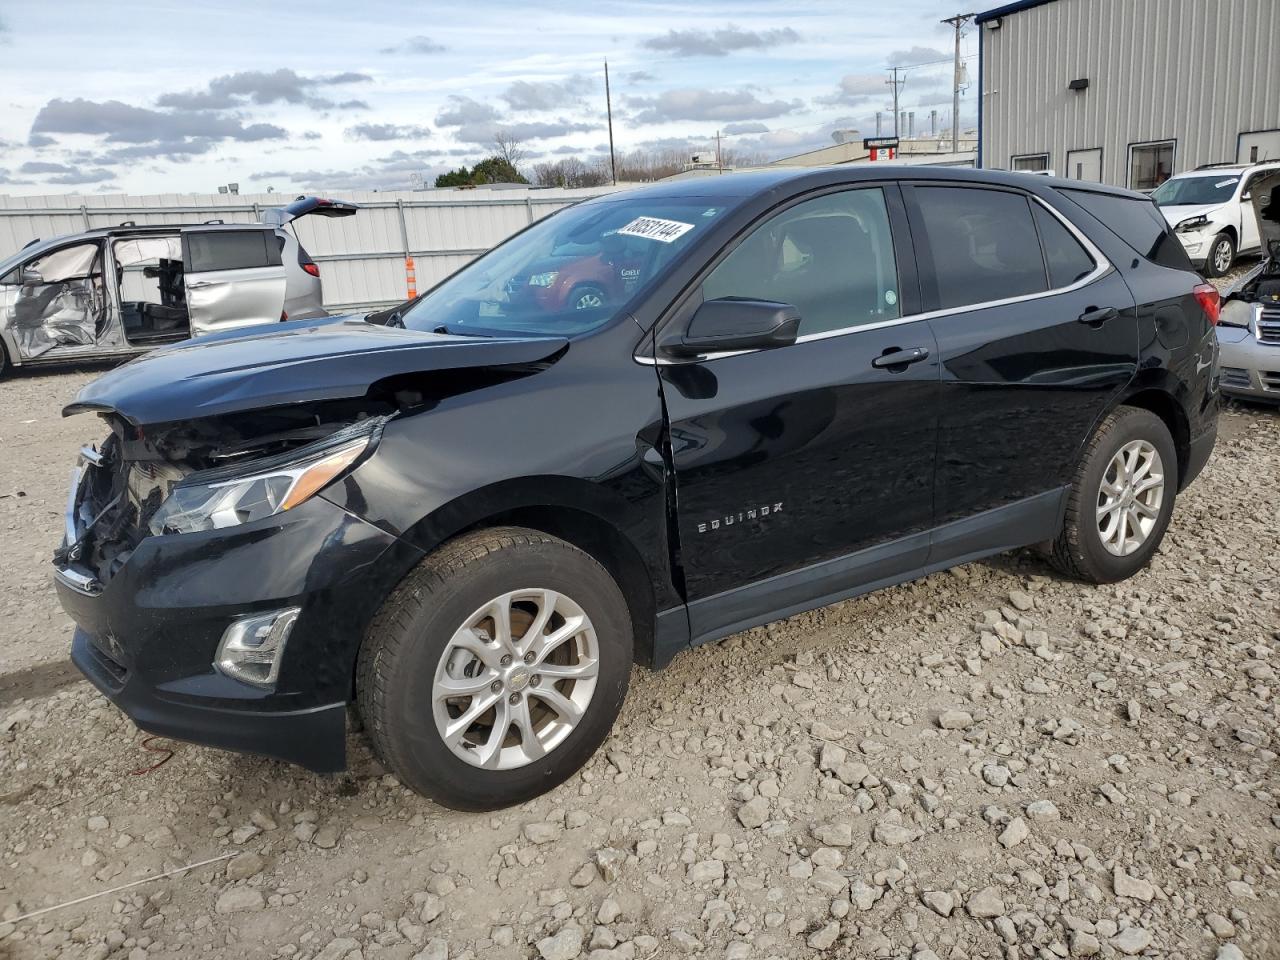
(896, 360)
(1099, 316)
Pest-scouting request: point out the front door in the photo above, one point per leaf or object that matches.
(55, 304)
(232, 278)
(1036, 336)
(807, 470)
(1084, 165)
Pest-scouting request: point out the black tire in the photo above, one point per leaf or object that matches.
(397, 666)
(1079, 551)
(587, 292)
(4, 361)
(1221, 248)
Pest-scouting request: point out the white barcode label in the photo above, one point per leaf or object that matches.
(651, 228)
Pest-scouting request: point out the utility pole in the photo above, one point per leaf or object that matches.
(896, 84)
(958, 21)
(878, 130)
(719, 162)
(608, 105)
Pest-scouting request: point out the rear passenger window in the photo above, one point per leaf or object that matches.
(984, 245)
(232, 250)
(1066, 259)
(1138, 223)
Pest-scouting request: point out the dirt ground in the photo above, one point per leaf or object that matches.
(992, 762)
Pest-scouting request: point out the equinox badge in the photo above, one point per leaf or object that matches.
(739, 517)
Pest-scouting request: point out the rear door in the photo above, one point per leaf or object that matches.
(232, 277)
(807, 470)
(309, 207)
(1036, 336)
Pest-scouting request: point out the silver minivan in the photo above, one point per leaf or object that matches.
(117, 291)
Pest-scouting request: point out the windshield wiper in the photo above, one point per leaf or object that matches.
(442, 328)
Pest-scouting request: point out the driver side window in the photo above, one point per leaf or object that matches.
(830, 257)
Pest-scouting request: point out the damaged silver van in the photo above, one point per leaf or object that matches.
(118, 291)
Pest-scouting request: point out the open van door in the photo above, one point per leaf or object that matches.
(233, 277)
(307, 207)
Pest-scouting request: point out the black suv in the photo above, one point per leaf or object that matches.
(469, 515)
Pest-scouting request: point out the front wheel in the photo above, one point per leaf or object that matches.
(496, 669)
(1120, 500)
(1222, 253)
(586, 296)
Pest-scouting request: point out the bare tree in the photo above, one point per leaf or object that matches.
(569, 172)
(510, 148)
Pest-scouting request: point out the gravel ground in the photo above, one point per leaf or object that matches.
(991, 762)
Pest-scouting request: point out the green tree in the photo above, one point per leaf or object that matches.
(489, 170)
(455, 178)
(496, 170)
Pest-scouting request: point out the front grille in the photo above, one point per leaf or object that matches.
(1234, 377)
(1269, 324)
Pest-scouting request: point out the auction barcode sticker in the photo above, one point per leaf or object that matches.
(652, 228)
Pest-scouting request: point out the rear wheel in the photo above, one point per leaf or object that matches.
(4, 360)
(1121, 499)
(1222, 253)
(496, 669)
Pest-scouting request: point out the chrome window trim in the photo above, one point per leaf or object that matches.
(1101, 267)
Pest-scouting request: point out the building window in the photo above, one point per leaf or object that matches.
(1150, 164)
(1031, 162)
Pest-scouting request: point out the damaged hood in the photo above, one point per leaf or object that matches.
(1266, 210)
(306, 360)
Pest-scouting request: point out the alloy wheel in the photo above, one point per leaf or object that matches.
(1129, 498)
(515, 679)
(588, 300)
(1222, 257)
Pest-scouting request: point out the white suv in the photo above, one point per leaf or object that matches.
(1210, 212)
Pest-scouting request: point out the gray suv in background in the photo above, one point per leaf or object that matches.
(117, 291)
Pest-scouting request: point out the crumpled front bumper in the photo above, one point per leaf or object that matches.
(147, 637)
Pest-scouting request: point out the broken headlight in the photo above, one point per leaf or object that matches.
(1192, 224)
(214, 499)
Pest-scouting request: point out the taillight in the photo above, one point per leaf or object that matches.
(1210, 301)
(312, 268)
(284, 315)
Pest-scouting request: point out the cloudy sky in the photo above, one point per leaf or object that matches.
(137, 97)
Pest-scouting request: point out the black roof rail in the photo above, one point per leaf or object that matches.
(31, 243)
(216, 221)
(129, 223)
(1222, 163)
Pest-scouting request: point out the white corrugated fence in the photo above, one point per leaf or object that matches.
(362, 258)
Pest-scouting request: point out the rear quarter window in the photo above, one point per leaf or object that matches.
(1138, 223)
(232, 250)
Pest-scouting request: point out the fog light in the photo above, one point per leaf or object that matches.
(252, 647)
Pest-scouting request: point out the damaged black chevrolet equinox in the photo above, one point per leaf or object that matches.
(647, 421)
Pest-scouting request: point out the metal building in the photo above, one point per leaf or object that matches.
(1128, 92)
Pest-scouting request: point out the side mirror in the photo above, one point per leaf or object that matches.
(31, 275)
(1247, 195)
(731, 324)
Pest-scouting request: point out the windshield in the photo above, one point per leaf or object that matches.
(569, 273)
(1186, 191)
